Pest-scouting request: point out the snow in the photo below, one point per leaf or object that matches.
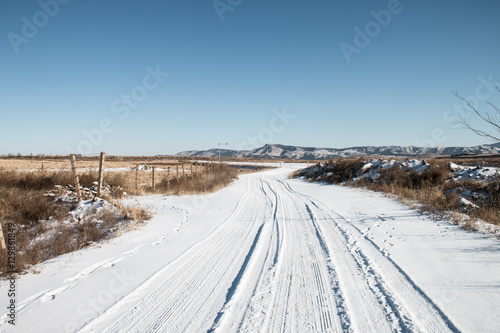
(474, 173)
(270, 254)
(372, 169)
(459, 176)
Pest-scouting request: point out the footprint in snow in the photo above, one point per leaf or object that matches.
(49, 296)
(105, 264)
(111, 263)
(133, 250)
(160, 240)
(87, 271)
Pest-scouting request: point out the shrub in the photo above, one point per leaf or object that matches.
(206, 182)
(41, 227)
(430, 190)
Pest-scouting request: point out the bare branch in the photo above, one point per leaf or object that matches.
(477, 131)
(494, 107)
(493, 83)
(485, 116)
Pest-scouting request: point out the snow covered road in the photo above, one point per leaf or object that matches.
(269, 254)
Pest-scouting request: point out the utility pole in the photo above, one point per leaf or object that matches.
(219, 149)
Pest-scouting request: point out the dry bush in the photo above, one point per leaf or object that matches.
(41, 180)
(425, 188)
(39, 220)
(435, 175)
(120, 183)
(135, 213)
(28, 207)
(470, 225)
(395, 176)
(294, 174)
(210, 181)
(344, 169)
(334, 171)
(35, 243)
(431, 190)
(493, 189)
(488, 213)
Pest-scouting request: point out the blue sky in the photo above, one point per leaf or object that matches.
(79, 76)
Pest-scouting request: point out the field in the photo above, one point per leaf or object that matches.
(270, 254)
(39, 199)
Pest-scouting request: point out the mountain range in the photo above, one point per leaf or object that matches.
(277, 151)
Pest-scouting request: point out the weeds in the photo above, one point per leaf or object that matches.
(431, 189)
(207, 182)
(41, 222)
(43, 214)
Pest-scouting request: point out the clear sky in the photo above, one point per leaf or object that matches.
(159, 77)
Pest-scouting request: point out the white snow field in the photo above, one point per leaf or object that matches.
(269, 254)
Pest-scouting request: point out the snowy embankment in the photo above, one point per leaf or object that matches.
(269, 254)
(372, 170)
(473, 188)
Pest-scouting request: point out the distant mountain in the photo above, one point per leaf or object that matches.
(272, 151)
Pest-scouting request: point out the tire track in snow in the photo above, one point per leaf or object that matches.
(420, 312)
(259, 264)
(231, 291)
(404, 303)
(300, 280)
(282, 262)
(187, 295)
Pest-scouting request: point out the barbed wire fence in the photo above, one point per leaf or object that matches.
(139, 176)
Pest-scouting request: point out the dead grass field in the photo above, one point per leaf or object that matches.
(113, 162)
(62, 163)
(38, 197)
(120, 171)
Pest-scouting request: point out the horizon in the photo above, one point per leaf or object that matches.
(227, 149)
(144, 79)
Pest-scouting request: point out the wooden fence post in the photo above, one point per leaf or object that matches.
(153, 180)
(101, 172)
(168, 178)
(75, 177)
(2, 239)
(137, 177)
(177, 174)
(183, 172)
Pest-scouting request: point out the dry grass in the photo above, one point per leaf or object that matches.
(39, 220)
(426, 188)
(213, 180)
(187, 179)
(134, 213)
(88, 163)
(431, 190)
(43, 230)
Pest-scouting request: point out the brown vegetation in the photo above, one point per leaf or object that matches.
(219, 177)
(42, 230)
(432, 190)
(39, 203)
